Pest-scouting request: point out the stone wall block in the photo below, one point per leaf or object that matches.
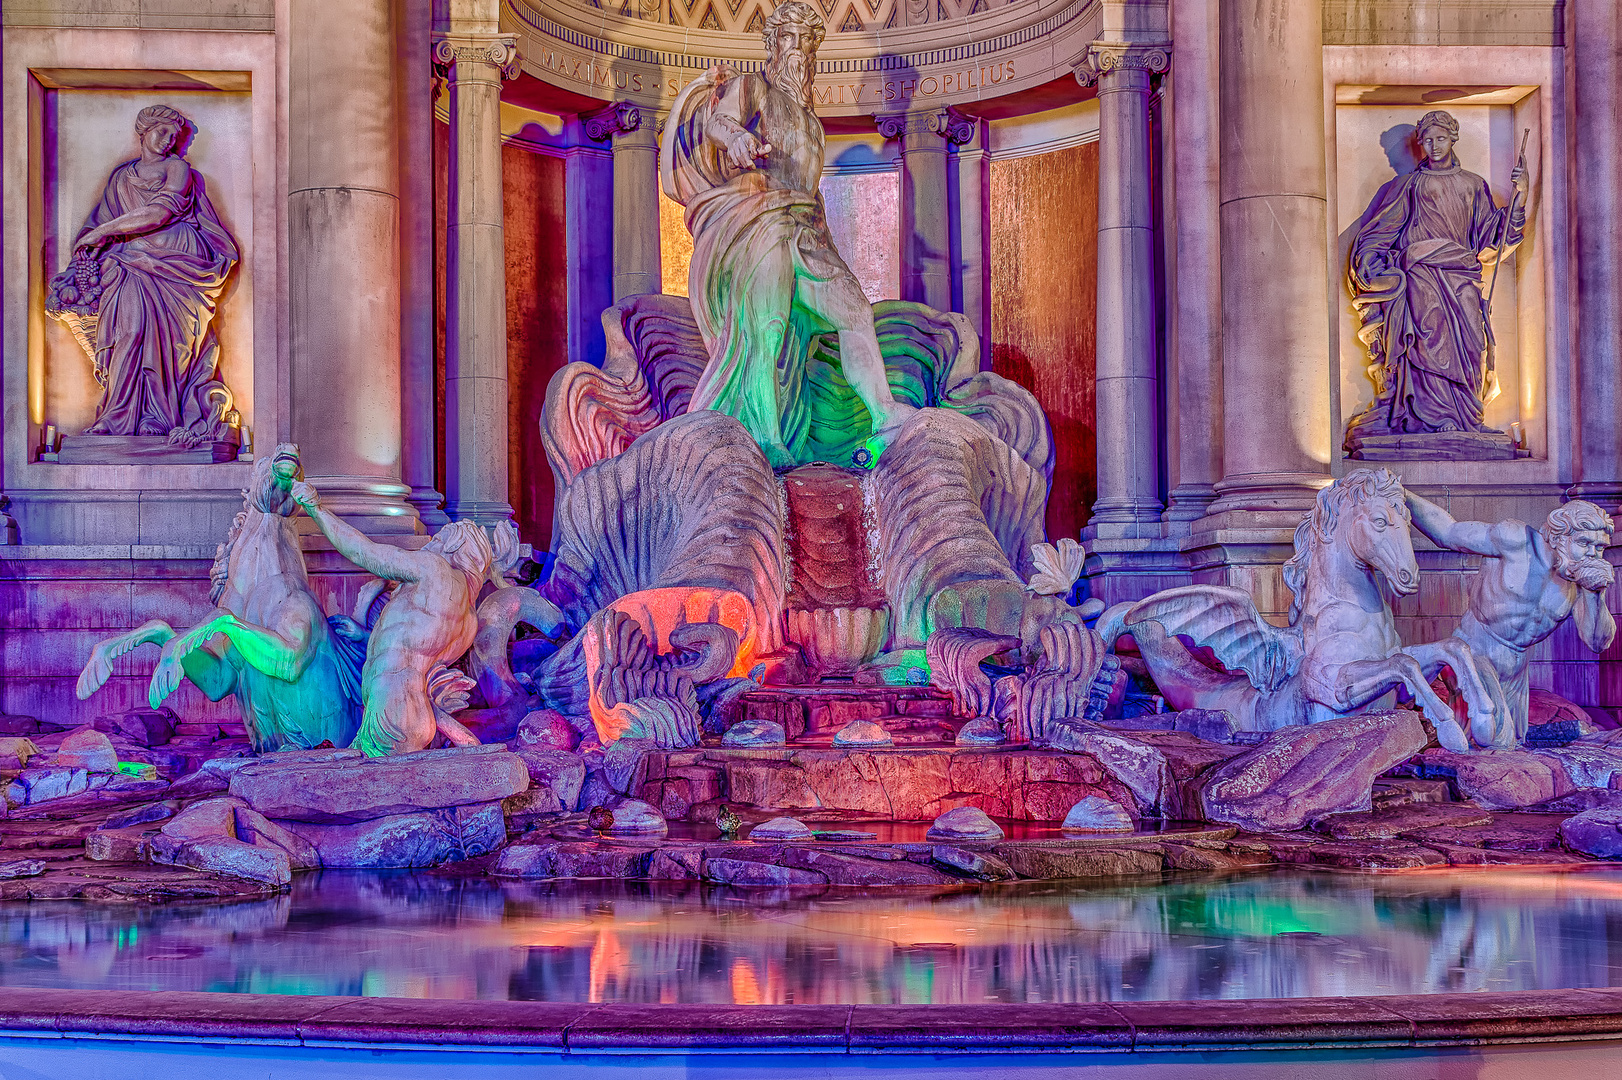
(348, 418)
(1291, 349)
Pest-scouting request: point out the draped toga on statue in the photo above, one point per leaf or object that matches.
(1416, 269)
(766, 281)
(156, 345)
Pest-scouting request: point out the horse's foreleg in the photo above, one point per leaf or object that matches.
(1361, 681)
(99, 668)
(187, 656)
(1483, 697)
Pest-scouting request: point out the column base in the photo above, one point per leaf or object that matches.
(1125, 517)
(1294, 492)
(375, 507)
(429, 505)
(488, 514)
(1189, 503)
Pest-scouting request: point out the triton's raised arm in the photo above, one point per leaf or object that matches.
(1477, 537)
(392, 563)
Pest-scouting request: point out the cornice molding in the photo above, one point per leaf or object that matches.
(1012, 47)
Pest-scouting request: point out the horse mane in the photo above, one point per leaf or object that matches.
(221, 570)
(1353, 489)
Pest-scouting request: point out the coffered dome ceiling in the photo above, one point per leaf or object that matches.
(880, 56)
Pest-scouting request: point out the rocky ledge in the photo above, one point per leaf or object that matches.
(92, 813)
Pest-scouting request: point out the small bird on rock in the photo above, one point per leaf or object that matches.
(728, 822)
(601, 819)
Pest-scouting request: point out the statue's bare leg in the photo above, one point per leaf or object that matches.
(840, 302)
(100, 666)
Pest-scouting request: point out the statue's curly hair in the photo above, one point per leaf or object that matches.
(1438, 118)
(797, 12)
(1578, 515)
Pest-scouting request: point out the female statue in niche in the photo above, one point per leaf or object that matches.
(1416, 278)
(148, 268)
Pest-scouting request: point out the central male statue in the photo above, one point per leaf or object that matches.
(1531, 581)
(744, 154)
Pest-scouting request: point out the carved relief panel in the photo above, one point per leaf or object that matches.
(1440, 298)
(147, 199)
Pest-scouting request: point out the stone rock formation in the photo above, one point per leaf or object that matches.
(1303, 773)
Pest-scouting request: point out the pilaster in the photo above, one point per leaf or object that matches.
(474, 66)
(634, 138)
(926, 233)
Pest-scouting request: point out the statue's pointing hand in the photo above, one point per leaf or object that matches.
(744, 149)
(305, 495)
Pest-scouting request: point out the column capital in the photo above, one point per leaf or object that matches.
(497, 50)
(620, 118)
(948, 123)
(1106, 57)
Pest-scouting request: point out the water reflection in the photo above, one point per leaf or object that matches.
(1271, 934)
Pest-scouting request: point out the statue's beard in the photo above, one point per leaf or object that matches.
(1591, 574)
(791, 71)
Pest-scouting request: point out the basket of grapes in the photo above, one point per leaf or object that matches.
(75, 300)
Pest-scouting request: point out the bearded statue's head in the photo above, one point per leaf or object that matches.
(1579, 533)
(792, 35)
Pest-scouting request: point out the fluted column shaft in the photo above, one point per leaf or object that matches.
(1127, 383)
(926, 227)
(634, 137)
(1275, 257)
(343, 228)
(476, 279)
(1596, 80)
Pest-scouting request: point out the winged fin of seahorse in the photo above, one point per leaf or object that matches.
(1224, 620)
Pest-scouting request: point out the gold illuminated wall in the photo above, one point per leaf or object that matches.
(1044, 307)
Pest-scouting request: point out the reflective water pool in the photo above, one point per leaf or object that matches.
(1264, 935)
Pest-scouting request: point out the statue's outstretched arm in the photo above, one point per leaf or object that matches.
(726, 127)
(1477, 537)
(392, 563)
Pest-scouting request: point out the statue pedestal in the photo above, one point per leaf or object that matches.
(1437, 446)
(140, 450)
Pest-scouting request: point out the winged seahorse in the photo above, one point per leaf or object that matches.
(1340, 652)
(267, 640)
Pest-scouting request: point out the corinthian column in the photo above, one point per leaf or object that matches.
(635, 143)
(343, 232)
(926, 228)
(476, 279)
(1275, 258)
(1127, 383)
